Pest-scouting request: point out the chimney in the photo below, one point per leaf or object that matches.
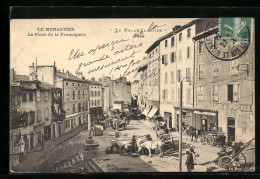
(54, 63)
(79, 75)
(32, 64)
(67, 74)
(93, 79)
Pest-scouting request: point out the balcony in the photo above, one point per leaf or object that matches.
(58, 117)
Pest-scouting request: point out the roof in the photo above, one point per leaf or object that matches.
(47, 86)
(69, 77)
(29, 85)
(143, 68)
(186, 26)
(21, 78)
(206, 33)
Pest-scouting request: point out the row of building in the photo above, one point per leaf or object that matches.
(217, 95)
(49, 103)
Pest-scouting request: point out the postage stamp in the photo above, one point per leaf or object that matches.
(235, 29)
(229, 38)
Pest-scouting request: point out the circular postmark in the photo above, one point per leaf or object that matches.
(229, 47)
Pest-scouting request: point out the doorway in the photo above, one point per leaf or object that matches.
(53, 130)
(231, 133)
(204, 125)
(71, 124)
(32, 141)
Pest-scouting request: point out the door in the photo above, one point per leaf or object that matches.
(71, 124)
(170, 122)
(32, 141)
(231, 133)
(204, 124)
(79, 120)
(26, 144)
(177, 122)
(53, 130)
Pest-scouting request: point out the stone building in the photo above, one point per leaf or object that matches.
(224, 90)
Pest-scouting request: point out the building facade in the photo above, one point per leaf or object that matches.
(225, 91)
(96, 101)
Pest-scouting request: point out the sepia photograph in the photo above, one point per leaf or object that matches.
(129, 95)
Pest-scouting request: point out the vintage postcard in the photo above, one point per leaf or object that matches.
(132, 95)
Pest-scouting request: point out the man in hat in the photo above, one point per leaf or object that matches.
(189, 162)
(133, 144)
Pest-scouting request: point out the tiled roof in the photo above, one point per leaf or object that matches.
(21, 78)
(47, 86)
(70, 76)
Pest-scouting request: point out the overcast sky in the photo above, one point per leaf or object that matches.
(47, 49)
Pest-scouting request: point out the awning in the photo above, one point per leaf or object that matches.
(152, 112)
(145, 112)
(205, 113)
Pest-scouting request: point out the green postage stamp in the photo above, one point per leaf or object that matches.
(235, 29)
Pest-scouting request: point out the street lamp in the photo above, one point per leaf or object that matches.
(180, 123)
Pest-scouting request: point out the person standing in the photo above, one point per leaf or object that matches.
(133, 143)
(189, 161)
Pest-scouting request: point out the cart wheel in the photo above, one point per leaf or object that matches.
(239, 161)
(210, 140)
(225, 162)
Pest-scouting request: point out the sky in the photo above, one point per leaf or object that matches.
(101, 44)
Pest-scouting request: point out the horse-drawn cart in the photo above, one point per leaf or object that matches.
(233, 158)
(212, 138)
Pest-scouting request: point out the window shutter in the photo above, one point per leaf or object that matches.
(236, 92)
(162, 59)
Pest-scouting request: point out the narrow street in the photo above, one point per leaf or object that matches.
(108, 162)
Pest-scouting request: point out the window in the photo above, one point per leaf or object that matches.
(172, 77)
(79, 107)
(92, 93)
(73, 108)
(178, 98)
(172, 57)
(78, 94)
(46, 96)
(172, 41)
(83, 106)
(216, 68)
(200, 93)
(67, 83)
(188, 73)
(32, 117)
(188, 33)
(166, 78)
(82, 84)
(215, 42)
(201, 71)
(72, 84)
(95, 102)
(39, 116)
(24, 97)
(188, 52)
(31, 96)
(179, 75)
(233, 92)
(78, 84)
(92, 102)
(68, 95)
(83, 95)
(201, 47)
(98, 102)
(180, 36)
(215, 93)
(46, 115)
(95, 93)
(165, 94)
(166, 43)
(162, 59)
(234, 67)
(73, 94)
(180, 54)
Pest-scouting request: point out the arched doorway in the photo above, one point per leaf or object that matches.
(231, 133)
(53, 130)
